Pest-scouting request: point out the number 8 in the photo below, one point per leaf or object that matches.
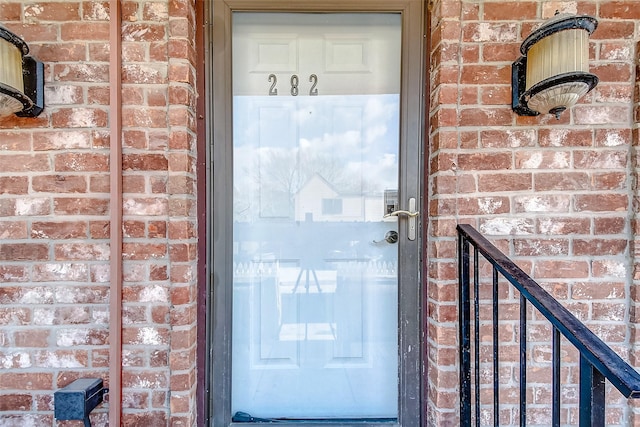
(294, 85)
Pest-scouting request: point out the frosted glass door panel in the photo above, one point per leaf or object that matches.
(316, 141)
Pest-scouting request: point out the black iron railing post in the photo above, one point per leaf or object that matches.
(476, 334)
(496, 354)
(555, 360)
(523, 360)
(464, 316)
(592, 403)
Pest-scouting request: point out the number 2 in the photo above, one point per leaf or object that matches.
(313, 79)
(273, 80)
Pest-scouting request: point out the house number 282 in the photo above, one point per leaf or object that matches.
(294, 82)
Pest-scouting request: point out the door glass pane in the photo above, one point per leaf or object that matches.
(316, 110)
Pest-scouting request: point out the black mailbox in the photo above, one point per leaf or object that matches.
(77, 400)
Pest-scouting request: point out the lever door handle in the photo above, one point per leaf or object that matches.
(411, 214)
(402, 212)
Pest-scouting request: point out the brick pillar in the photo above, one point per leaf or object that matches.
(159, 213)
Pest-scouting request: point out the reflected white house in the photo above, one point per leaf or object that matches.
(317, 200)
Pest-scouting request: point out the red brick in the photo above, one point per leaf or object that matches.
(18, 316)
(490, 32)
(10, 11)
(182, 252)
(615, 225)
(53, 11)
(99, 229)
(542, 203)
(24, 252)
(620, 10)
(68, 139)
(80, 206)
(144, 117)
(146, 336)
(616, 51)
(504, 182)
(542, 159)
(562, 181)
(601, 202)
(62, 272)
(84, 31)
(484, 116)
(489, 161)
(85, 73)
(610, 181)
(15, 402)
(99, 184)
(14, 141)
(24, 163)
(510, 11)
(13, 230)
(81, 251)
(143, 74)
(61, 359)
(98, 95)
(561, 269)
(59, 184)
(145, 380)
(134, 228)
(609, 30)
(13, 273)
(180, 141)
(148, 418)
(145, 162)
(613, 137)
(99, 52)
(565, 137)
(79, 118)
(31, 338)
(495, 95)
(141, 251)
(500, 52)
(613, 72)
(454, 184)
(147, 32)
(599, 247)
(508, 138)
(71, 337)
(485, 74)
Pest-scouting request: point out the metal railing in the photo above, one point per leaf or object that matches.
(597, 361)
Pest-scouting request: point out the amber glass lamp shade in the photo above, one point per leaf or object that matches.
(21, 78)
(553, 73)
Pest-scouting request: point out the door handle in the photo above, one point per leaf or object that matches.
(411, 214)
(401, 212)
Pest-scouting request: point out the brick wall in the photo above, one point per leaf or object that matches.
(54, 213)
(557, 195)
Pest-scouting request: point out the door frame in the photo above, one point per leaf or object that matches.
(219, 239)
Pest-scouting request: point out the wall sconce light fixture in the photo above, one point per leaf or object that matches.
(21, 78)
(553, 71)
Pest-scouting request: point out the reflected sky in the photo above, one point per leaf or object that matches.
(280, 143)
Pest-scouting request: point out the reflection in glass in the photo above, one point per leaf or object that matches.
(314, 297)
